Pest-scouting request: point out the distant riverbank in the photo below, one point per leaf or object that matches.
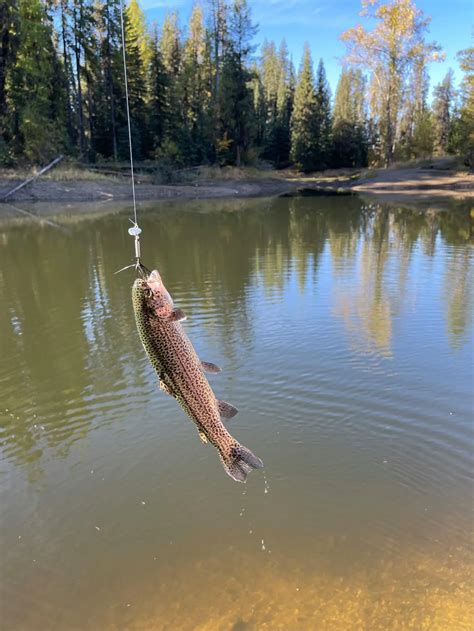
(422, 183)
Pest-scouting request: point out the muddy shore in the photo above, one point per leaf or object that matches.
(393, 185)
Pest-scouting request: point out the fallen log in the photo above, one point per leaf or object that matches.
(31, 179)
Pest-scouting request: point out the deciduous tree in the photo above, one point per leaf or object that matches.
(389, 51)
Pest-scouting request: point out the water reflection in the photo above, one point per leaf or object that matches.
(344, 331)
(66, 322)
(458, 284)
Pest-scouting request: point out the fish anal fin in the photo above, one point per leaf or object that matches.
(226, 410)
(210, 367)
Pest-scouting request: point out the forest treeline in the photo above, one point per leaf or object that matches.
(202, 95)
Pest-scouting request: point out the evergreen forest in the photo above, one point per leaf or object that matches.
(205, 93)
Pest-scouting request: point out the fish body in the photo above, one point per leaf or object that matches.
(181, 373)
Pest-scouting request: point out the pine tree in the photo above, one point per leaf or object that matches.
(158, 97)
(259, 108)
(235, 95)
(462, 136)
(9, 41)
(270, 78)
(343, 106)
(217, 36)
(284, 106)
(349, 120)
(422, 142)
(110, 106)
(195, 102)
(170, 44)
(274, 71)
(414, 117)
(137, 90)
(65, 38)
(282, 133)
(303, 121)
(323, 119)
(139, 30)
(171, 54)
(443, 103)
(34, 96)
(84, 62)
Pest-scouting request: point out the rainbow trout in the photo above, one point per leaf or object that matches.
(181, 373)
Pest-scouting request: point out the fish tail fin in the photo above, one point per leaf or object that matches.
(238, 461)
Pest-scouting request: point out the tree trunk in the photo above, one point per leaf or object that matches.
(110, 86)
(67, 72)
(80, 107)
(238, 159)
(90, 112)
(5, 52)
(389, 132)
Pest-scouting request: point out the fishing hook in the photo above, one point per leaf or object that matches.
(141, 269)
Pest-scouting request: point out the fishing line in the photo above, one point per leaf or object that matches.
(134, 231)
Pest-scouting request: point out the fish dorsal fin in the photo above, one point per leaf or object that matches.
(210, 367)
(226, 410)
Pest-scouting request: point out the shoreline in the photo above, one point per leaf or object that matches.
(405, 185)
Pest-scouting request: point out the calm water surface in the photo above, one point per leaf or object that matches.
(344, 331)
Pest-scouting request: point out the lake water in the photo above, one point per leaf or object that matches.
(344, 331)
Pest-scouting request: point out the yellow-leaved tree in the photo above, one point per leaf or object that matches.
(389, 52)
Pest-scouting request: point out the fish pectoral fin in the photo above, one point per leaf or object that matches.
(226, 410)
(166, 388)
(175, 316)
(202, 436)
(210, 367)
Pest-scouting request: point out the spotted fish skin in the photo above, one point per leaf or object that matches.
(181, 374)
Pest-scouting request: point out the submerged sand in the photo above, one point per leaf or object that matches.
(235, 591)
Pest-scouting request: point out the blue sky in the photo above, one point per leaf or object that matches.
(320, 22)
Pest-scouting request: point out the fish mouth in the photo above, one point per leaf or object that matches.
(155, 282)
(154, 277)
(146, 278)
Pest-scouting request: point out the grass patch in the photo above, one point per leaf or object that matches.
(230, 173)
(71, 172)
(327, 176)
(65, 173)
